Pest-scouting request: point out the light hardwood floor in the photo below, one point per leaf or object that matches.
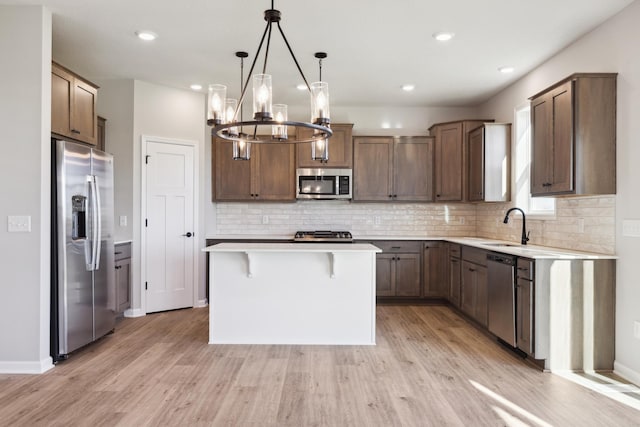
(430, 367)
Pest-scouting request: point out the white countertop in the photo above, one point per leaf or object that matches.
(527, 251)
(292, 247)
(122, 242)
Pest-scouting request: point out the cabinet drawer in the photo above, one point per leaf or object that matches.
(475, 255)
(122, 251)
(454, 250)
(398, 246)
(525, 268)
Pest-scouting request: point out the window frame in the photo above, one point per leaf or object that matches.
(522, 168)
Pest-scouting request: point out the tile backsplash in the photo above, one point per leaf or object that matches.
(581, 223)
(372, 219)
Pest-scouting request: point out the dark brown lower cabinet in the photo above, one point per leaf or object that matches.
(435, 259)
(398, 274)
(474, 291)
(455, 279)
(524, 305)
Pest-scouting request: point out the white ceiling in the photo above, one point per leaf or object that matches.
(373, 46)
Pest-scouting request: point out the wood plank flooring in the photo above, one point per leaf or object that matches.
(430, 367)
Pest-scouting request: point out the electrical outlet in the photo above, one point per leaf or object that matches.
(19, 224)
(580, 225)
(123, 220)
(376, 220)
(265, 219)
(636, 329)
(462, 220)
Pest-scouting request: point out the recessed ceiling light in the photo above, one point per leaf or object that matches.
(506, 70)
(196, 86)
(408, 87)
(301, 86)
(146, 35)
(443, 36)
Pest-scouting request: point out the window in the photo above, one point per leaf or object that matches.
(542, 207)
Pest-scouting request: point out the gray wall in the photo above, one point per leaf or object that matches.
(612, 47)
(25, 120)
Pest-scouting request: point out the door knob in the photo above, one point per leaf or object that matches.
(189, 234)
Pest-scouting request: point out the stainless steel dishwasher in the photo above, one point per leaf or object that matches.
(501, 296)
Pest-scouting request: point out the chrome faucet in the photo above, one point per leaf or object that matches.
(525, 236)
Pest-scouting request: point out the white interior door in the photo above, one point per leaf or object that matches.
(169, 226)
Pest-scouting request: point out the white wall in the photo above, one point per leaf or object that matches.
(165, 112)
(25, 120)
(115, 103)
(612, 47)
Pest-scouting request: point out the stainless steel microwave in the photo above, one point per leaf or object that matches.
(324, 183)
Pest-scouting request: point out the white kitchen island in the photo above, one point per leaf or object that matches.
(292, 293)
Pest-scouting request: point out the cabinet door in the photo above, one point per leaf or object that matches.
(524, 313)
(541, 146)
(372, 169)
(123, 284)
(102, 134)
(413, 169)
(83, 112)
(232, 178)
(407, 275)
(61, 98)
(448, 162)
(562, 135)
(274, 172)
(468, 288)
(434, 270)
(385, 270)
(340, 149)
(476, 165)
(455, 281)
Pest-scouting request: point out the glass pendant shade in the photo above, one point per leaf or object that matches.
(320, 150)
(241, 150)
(231, 105)
(320, 103)
(279, 132)
(262, 99)
(217, 99)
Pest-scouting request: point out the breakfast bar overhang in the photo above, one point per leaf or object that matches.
(292, 293)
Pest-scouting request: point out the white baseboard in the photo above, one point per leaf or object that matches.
(626, 373)
(201, 303)
(26, 367)
(134, 312)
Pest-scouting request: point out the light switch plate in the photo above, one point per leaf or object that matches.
(631, 227)
(123, 220)
(636, 329)
(19, 223)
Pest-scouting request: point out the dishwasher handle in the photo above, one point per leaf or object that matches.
(502, 258)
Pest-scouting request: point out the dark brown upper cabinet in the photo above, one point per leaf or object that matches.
(451, 158)
(340, 148)
(573, 139)
(393, 169)
(73, 106)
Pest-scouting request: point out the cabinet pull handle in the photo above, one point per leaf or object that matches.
(395, 247)
(472, 269)
(118, 253)
(118, 267)
(390, 195)
(75, 131)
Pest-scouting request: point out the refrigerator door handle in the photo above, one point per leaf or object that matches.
(95, 243)
(98, 222)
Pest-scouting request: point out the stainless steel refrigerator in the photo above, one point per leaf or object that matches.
(83, 302)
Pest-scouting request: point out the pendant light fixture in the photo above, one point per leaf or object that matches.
(270, 121)
(320, 147)
(241, 148)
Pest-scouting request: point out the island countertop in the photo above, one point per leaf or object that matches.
(292, 247)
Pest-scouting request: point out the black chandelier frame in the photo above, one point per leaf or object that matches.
(321, 129)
